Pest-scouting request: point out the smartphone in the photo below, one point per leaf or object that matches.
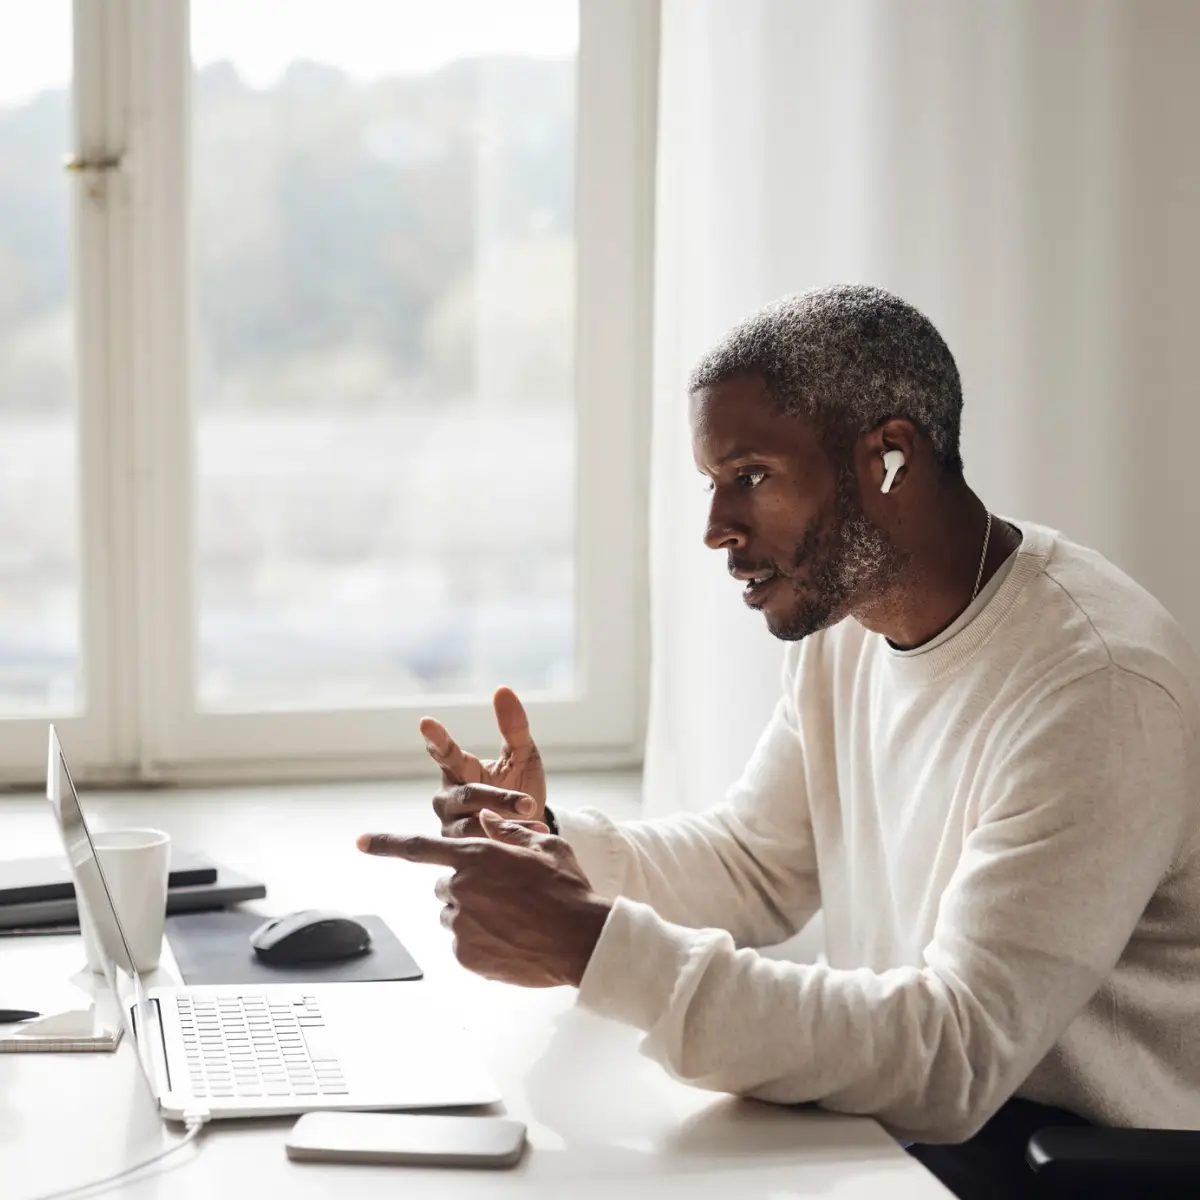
(403, 1138)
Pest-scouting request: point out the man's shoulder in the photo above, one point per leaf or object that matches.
(1067, 612)
(1082, 594)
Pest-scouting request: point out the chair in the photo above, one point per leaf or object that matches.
(1088, 1161)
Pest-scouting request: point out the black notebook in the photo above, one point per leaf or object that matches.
(60, 915)
(26, 880)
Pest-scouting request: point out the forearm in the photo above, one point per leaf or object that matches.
(748, 865)
(698, 870)
(909, 1046)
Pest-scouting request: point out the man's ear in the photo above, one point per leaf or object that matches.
(876, 464)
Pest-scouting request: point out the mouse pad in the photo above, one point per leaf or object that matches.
(214, 947)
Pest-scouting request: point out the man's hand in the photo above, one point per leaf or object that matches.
(459, 807)
(514, 784)
(519, 905)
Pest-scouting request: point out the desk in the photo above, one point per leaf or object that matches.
(603, 1121)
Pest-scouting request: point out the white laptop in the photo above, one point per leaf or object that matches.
(247, 1051)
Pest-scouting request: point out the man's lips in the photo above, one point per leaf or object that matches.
(754, 593)
(758, 582)
(755, 575)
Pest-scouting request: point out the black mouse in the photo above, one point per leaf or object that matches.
(315, 935)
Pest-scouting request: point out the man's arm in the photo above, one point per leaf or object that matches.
(746, 866)
(1086, 815)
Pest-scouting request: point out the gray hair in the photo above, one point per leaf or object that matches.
(851, 357)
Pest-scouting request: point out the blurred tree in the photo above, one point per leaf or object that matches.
(372, 228)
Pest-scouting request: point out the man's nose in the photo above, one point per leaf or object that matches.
(722, 533)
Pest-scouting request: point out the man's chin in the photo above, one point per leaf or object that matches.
(797, 622)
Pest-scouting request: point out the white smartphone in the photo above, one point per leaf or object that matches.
(411, 1139)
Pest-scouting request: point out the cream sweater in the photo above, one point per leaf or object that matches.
(1003, 833)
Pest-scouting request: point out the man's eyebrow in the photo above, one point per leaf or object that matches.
(735, 455)
(741, 452)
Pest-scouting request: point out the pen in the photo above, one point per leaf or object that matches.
(9, 1016)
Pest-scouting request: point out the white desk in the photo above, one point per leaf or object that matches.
(602, 1120)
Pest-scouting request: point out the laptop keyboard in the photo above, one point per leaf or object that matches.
(248, 1046)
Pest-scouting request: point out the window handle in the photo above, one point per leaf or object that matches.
(82, 164)
(93, 169)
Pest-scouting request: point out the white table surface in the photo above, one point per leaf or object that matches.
(602, 1119)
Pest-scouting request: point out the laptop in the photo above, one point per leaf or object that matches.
(256, 1051)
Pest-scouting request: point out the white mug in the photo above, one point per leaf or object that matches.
(136, 863)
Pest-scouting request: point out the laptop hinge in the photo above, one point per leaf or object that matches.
(152, 1046)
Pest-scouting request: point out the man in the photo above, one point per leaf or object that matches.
(983, 769)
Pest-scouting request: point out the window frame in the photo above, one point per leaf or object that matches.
(132, 302)
(604, 726)
(101, 733)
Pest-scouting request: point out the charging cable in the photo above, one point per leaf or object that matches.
(193, 1122)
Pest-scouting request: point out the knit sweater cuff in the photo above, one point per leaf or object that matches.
(635, 966)
(595, 840)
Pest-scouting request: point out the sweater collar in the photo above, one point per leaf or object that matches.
(926, 666)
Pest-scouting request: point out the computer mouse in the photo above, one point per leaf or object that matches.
(315, 935)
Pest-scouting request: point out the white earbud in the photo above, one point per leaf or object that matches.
(893, 460)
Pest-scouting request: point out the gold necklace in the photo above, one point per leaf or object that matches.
(987, 537)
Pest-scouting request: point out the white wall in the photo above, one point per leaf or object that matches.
(1028, 173)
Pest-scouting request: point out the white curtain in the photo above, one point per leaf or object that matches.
(1027, 173)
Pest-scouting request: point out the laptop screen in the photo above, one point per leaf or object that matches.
(95, 901)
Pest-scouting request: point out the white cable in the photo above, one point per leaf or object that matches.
(193, 1122)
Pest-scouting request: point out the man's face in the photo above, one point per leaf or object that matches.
(787, 515)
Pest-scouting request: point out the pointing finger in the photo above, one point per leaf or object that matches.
(415, 848)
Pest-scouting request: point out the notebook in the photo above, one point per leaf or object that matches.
(79, 1025)
(26, 880)
(230, 888)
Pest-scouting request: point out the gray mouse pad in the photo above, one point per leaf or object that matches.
(214, 947)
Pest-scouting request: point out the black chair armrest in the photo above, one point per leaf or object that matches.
(1074, 1155)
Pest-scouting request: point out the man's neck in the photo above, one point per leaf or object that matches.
(942, 561)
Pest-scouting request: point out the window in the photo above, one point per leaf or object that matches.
(40, 666)
(383, 240)
(354, 432)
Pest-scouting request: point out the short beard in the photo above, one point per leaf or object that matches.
(850, 565)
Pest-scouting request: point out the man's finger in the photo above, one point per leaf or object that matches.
(446, 752)
(470, 827)
(514, 833)
(539, 827)
(418, 849)
(465, 827)
(472, 797)
(510, 716)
